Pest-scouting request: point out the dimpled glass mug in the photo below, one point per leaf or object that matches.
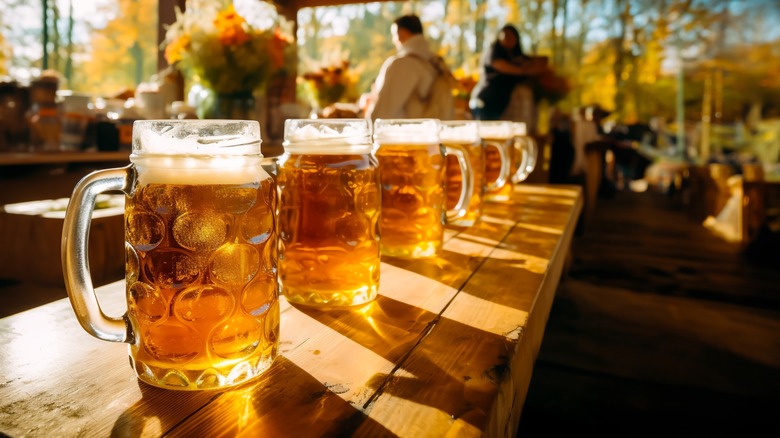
(464, 135)
(200, 241)
(328, 213)
(411, 169)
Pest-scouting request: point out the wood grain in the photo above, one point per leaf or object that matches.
(447, 349)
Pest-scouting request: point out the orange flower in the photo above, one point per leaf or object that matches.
(230, 27)
(276, 47)
(174, 52)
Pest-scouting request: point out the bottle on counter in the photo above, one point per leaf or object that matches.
(76, 119)
(130, 113)
(44, 118)
(150, 101)
(13, 127)
(106, 113)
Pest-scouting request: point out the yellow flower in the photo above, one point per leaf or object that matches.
(228, 52)
(330, 84)
(277, 46)
(174, 52)
(230, 27)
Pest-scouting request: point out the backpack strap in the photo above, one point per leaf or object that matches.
(440, 67)
(431, 103)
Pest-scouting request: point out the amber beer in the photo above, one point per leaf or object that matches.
(329, 212)
(498, 138)
(204, 292)
(412, 199)
(464, 136)
(411, 168)
(200, 255)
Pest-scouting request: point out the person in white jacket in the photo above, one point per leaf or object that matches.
(404, 74)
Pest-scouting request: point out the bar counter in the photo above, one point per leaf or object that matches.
(447, 349)
(58, 157)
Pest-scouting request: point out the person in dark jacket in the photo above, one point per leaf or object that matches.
(504, 66)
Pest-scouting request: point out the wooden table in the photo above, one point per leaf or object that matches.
(447, 349)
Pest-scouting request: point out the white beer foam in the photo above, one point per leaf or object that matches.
(496, 130)
(196, 137)
(459, 132)
(346, 136)
(406, 131)
(198, 170)
(520, 129)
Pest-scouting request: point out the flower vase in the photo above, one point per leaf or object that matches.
(242, 105)
(237, 106)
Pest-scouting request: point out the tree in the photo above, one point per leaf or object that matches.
(620, 54)
(124, 53)
(6, 53)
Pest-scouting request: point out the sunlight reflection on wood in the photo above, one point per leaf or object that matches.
(548, 191)
(471, 244)
(321, 351)
(446, 349)
(534, 264)
(495, 220)
(414, 289)
(542, 228)
(487, 315)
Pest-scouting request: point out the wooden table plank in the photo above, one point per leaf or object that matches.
(57, 380)
(373, 338)
(447, 348)
(471, 373)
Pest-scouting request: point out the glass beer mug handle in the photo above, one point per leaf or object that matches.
(270, 165)
(506, 167)
(75, 264)
(527, 148)
(466, 188)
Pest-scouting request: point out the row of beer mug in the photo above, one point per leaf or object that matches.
(211, 238)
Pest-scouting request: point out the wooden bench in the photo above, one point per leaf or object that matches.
(31, 232)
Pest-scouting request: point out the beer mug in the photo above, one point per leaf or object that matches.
(498, 138)
(411, 169)
(525, 153)
(200, 245)
(328, 213)
(464, 135)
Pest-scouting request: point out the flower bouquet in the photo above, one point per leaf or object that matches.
(230, 54)
(329, 85)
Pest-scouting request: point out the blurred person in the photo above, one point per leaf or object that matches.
(405, 85)
(504, 66)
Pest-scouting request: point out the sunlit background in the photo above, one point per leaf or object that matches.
(629, 56)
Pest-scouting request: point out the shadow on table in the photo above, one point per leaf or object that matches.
(396, 331)
(285, 401)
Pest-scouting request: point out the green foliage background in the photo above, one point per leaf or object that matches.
(620, 54)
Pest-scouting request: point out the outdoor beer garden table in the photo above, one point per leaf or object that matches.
(447, 349)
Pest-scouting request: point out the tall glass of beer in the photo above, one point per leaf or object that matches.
(328, 213)
(463, 135)
(200, 245)
(498, 137)
(525, 152)
(411, 168)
